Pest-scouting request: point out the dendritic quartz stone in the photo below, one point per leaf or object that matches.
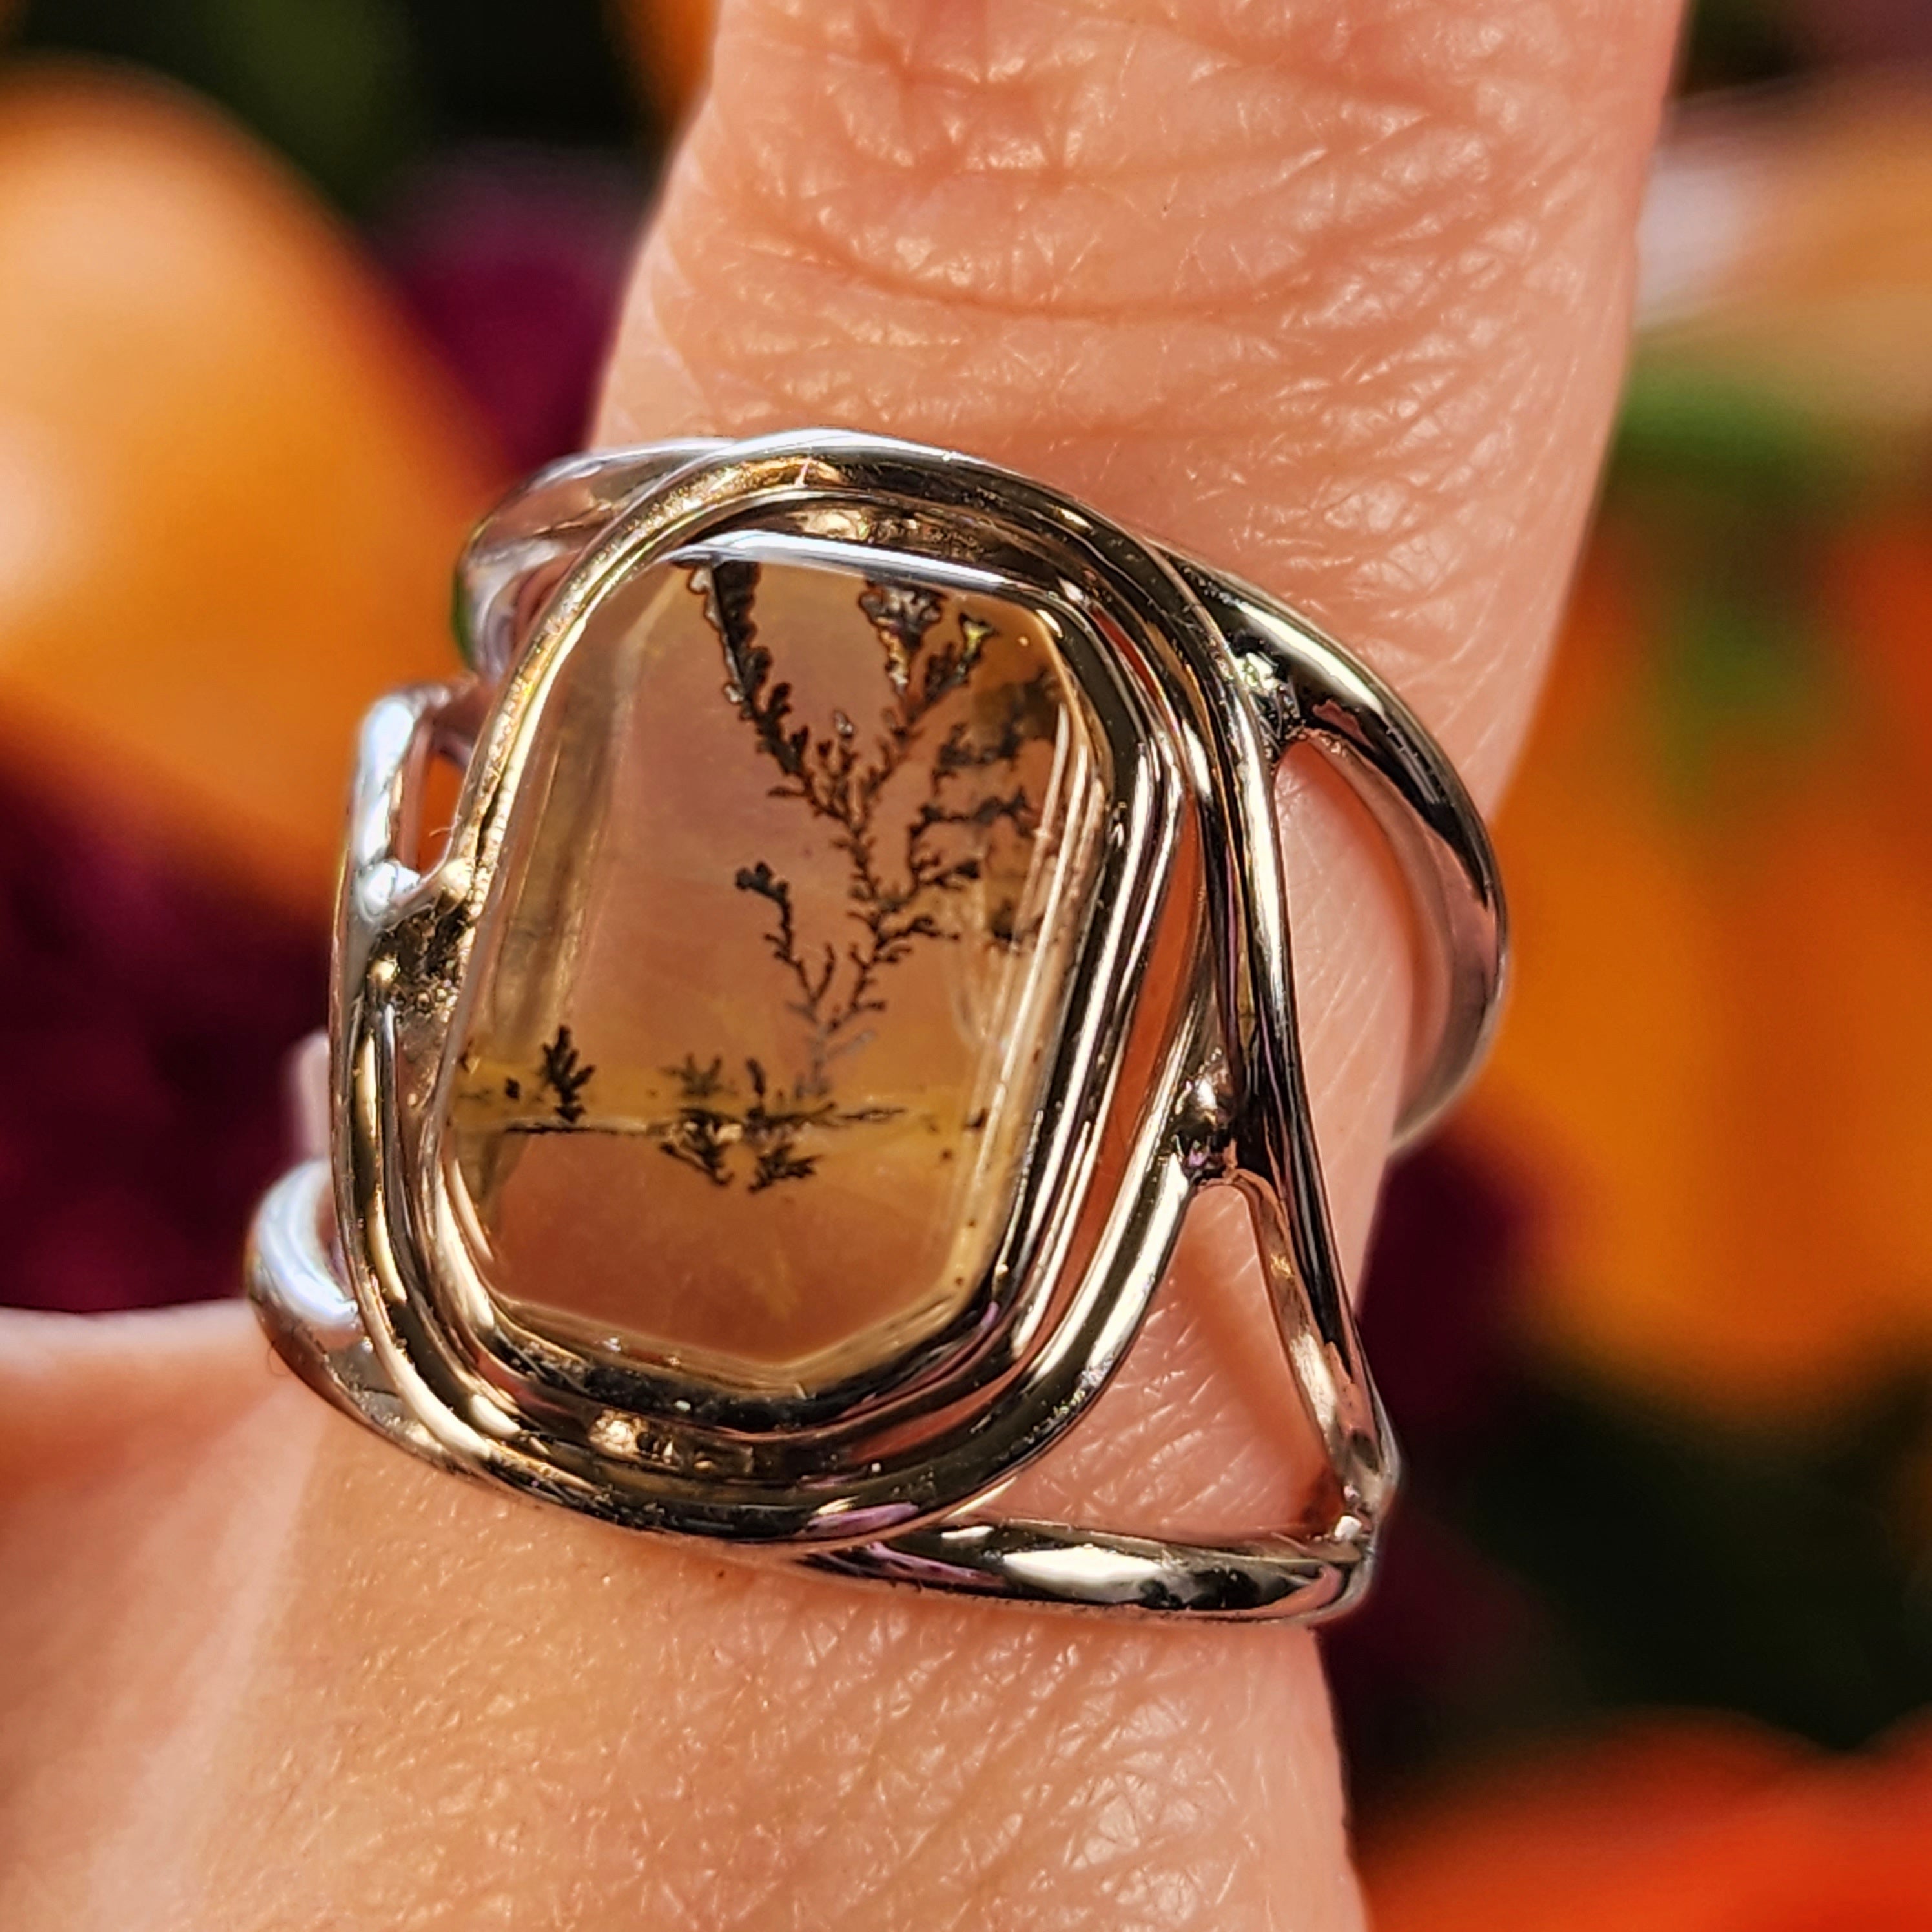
(775, 967)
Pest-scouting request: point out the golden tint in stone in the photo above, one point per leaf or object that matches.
(768, 996)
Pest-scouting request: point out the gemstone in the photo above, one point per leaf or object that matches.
(765, 994)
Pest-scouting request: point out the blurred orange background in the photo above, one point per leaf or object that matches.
(280, 310)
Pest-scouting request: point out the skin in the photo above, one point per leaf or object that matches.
(1333, 294)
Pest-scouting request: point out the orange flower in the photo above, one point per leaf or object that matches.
(231, 485)
(1716, 1063)
(1678, 1825)
(670, 40)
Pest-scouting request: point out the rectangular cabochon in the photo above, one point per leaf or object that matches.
(774, 968)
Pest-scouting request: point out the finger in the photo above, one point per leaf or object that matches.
(1336, 304)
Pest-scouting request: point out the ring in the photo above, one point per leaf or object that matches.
(766, 1115)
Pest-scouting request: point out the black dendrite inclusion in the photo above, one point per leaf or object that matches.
(561, 1073)
(905, 869)
(566, 1076)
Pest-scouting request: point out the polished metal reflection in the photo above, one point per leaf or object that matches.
(1197, 687)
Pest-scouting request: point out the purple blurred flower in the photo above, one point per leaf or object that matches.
(513, 259)
(148, 1016)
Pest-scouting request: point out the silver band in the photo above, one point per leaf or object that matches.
(1196, 686)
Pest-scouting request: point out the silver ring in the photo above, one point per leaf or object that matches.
(767, 1116)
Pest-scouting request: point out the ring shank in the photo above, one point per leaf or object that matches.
(294, 1281)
